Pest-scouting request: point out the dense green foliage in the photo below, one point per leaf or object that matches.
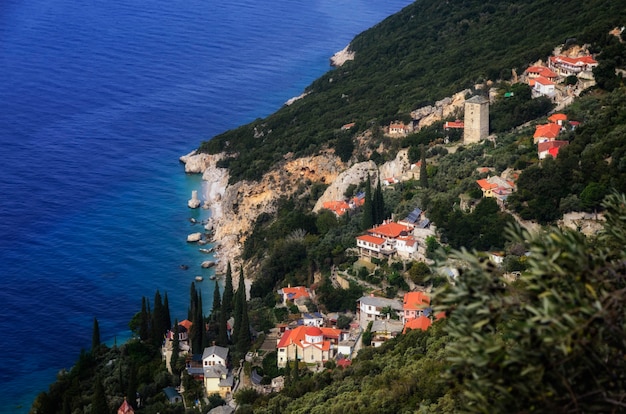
(426, 52)
(554, 341)
(585, 171)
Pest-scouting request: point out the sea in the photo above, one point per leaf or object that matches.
(98, 100)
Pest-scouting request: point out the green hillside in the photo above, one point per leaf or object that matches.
(428, 51)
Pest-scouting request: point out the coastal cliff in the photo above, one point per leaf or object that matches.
(236, 207)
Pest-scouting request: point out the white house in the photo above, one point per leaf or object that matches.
(369, 308)
(217, 377)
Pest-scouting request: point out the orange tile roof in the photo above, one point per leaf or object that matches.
(392, 230)
(295, 292)
(557, 117)
(454, 124)
(297, 336)
(415, 301)
(486, 185)
(293, 336)
(331, 332)
(545, 146)
(550, 131)
(371, 239)
(422, 323)
(338, 207)
(542, 71)
(544, 81)
(186, 323)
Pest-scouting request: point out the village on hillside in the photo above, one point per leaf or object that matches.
(315, 340)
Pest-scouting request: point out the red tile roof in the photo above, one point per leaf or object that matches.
(293, 293)
(391, 230)
(422, 323)
(337, 207)
(371, 239)
(186, 323)
(549, 131)
(486, 185)
(541, 71)
(415, 301)
(543, 81)
(552, 147)
(454, 124)
(125, 408)
(298, 335)
(557, 117)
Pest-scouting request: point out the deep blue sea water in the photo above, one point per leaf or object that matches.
(98, 99)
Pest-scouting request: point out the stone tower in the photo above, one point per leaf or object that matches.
(476, 120)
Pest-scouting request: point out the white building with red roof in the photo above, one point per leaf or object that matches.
(414, 305)
(421, 322)
(398, 129)
(309, 344)
(536, 71)
(550, 148)
(387, 240)
(546, 132)
(496, 187)
(566, 66)
(294, 294)
(542, 87)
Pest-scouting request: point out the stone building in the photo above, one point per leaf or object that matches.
(476, 120)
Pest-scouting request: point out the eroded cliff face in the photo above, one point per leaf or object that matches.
(235, 208)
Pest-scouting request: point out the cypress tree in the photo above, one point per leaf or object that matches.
(243, 334)
(157, 319)
(131, 391)
(175, 350)
(240, 298)
(379, 204)
(167, 323)
(95, 337)
(222, 330)
(99, 403)
(367, 221)
(144, 329)
(217, 303)
(197, 324)
(227, 296)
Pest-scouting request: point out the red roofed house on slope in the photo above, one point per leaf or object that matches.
(398, 129)
(550, 148)
(557, 118)
(293, 294)
(536, 71)
(337, 207)
(387, 240)
(414, 304)
(546, 132)
(496, 187)
(542, 87)
(308, 344)
(421, 322)
(566, 66)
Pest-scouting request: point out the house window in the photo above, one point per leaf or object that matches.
(281, 350)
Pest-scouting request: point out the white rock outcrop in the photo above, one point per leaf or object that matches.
(342, 57)
(194, 202)
(194, 237)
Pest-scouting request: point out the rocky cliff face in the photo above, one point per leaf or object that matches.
(235, 208)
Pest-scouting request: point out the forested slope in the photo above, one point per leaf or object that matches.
(428, 51)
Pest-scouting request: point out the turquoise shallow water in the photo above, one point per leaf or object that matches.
(98, 101)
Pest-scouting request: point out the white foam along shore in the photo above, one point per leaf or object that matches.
(214, 185)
